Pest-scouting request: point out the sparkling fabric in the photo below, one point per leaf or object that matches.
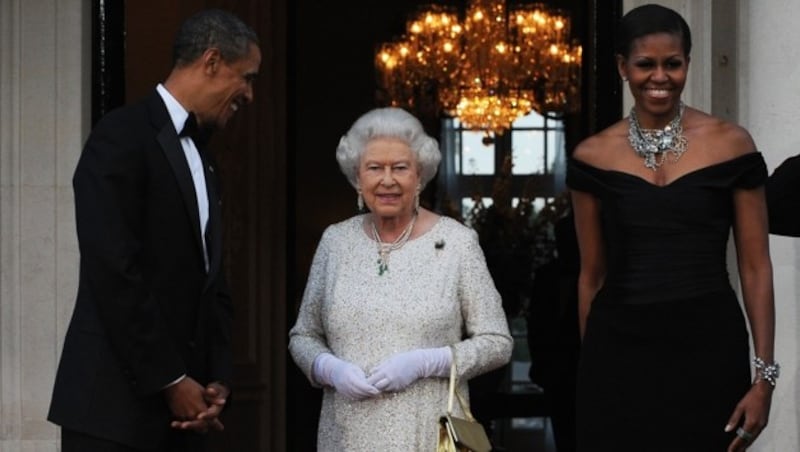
(437, 292)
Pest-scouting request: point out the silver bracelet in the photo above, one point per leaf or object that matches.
(767, 372)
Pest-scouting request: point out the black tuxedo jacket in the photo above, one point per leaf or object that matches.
(147, 311)
(783, 198)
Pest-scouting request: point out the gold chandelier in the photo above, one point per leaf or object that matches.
(488, 70)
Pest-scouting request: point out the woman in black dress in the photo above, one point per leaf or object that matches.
(665, 359)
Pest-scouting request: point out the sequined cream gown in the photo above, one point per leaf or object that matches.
(437, 292)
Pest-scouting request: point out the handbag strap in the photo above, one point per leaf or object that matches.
(453, 393)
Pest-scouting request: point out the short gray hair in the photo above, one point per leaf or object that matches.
(212, 28)
(393, 123)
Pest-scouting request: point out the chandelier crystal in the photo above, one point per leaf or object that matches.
(487, 70)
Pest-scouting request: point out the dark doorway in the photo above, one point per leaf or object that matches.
(282, 186)
(332, 82)
(132, 53)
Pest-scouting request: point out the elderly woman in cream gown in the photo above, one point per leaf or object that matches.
(393, 298)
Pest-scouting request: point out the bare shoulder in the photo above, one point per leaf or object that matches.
(723, 139)
(597, 149)
(738, 138)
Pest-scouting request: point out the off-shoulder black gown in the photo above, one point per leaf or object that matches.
(665, 354)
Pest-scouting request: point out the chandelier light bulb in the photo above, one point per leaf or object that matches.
(487, 70)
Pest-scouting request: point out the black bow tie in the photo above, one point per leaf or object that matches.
(192, 130)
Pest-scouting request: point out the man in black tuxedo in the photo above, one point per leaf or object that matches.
(147, 357)
(783, 198)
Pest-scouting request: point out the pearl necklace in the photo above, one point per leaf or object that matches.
(385, 248)
(649, 143)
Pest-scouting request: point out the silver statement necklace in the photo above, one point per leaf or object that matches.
(654, 144)
(385, 248)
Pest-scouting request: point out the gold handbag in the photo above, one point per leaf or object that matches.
(457, 434)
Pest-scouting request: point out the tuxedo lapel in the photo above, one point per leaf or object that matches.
(168, 140)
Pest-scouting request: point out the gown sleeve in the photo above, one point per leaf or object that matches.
(307, 337)
(488, 343)
(583, 177)
(752, 172)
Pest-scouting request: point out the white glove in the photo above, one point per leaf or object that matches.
(400, 370)
(347, 378)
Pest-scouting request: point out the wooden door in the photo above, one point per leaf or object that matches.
(251, 154)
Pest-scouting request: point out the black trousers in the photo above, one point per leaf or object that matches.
(178, 441)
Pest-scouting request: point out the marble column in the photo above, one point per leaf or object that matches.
(769, 43)
(45, 70)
